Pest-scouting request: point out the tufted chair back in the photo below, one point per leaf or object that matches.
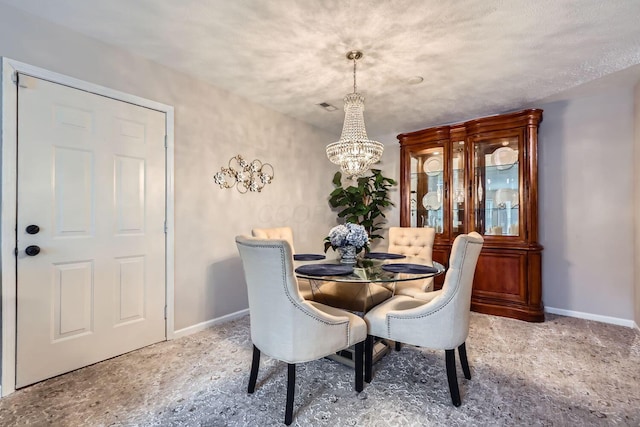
(412, 241)
(276, 233)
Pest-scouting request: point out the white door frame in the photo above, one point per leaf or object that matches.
(8, 260)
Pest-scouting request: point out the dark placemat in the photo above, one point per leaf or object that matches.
(308, 257)
(324, 269)
(383, 255)
(409, 268)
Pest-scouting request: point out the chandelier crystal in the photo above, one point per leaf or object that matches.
(354, 152)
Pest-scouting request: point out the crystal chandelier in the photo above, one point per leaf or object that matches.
(354, 152)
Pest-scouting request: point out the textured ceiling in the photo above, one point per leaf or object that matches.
(477, 57)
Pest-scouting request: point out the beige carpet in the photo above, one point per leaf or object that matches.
(564, 372)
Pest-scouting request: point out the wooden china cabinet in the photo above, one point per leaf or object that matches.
(481, 175)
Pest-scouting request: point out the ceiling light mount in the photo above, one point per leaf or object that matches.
(354, 55)
(354, 152)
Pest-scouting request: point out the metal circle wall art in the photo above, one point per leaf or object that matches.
(244, 175)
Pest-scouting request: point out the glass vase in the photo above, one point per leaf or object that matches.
(347, 254)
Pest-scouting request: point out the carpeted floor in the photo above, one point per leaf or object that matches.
(563, 372)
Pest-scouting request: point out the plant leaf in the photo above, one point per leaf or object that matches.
(364, 202)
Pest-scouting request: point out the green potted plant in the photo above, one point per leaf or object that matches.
(363, 203)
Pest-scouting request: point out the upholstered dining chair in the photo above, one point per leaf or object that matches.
(416, 242)
(284, 233)
(284, 325)
(440, 323)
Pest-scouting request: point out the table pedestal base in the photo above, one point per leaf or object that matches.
(380, 349)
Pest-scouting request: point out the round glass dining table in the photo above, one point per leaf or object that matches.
(368, 282)
(370, 270)
(361, 286)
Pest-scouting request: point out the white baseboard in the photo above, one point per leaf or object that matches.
(209, 323)
(588, 316)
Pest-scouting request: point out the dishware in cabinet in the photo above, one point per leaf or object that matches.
(497, 184)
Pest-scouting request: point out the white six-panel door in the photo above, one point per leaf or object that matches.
(91, 176)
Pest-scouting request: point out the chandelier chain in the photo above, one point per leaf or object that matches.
(355, 88)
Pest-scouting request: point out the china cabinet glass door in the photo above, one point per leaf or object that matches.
(428, 188)
(497, 186)
(458, 186)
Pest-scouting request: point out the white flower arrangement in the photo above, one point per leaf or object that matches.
(347, 234)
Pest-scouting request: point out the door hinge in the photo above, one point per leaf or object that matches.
(165, 227)
(165, 311)
(15, 77)
(15, 251)
(165, 142)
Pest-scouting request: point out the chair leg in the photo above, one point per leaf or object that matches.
(450, 356)
(368, 358)
(255, 364)
(398, 346)
(358, 365)
(291, 390)
(462, 352)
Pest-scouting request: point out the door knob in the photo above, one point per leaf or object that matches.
(32, 250)
(32, 229)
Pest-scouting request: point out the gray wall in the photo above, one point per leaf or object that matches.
(586, 204)
(211, 126)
